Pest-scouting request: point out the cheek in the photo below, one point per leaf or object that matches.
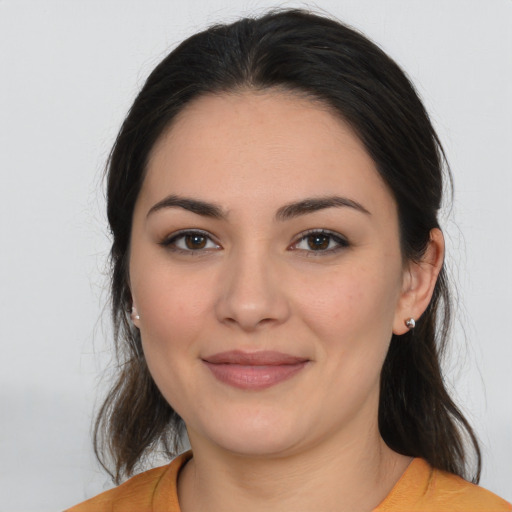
(351, 317)
(353, 308)
(173, 312)
(172, 307)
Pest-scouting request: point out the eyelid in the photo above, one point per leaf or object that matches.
(169, 241)
(341, 241)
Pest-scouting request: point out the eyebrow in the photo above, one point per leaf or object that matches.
(192, 205)
(286, 212)
(315, 204)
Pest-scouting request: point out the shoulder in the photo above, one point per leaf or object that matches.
(137, 491)
(424, 489)
(455, 493)
(141, 493)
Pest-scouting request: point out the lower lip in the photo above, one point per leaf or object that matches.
(253, 376)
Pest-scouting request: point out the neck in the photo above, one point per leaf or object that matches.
(337, 475)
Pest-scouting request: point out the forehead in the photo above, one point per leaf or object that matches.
(253, 145)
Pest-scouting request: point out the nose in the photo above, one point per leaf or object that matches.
(252, 294)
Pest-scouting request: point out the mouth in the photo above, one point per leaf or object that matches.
(254, 370)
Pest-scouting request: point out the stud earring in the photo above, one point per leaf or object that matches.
(410, 323)
(134, 315)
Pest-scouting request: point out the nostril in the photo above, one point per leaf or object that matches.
(249, 325)
(251, 296)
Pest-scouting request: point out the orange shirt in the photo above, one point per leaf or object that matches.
(420, 489)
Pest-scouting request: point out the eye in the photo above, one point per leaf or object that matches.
(320, 241)
(190, 241)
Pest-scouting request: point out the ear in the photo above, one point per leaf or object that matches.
(419, 280)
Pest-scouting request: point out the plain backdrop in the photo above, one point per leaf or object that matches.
(70, 70)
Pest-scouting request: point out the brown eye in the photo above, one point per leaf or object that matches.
(195, 241)
(190, 242)
(321, 242)
(318, 241)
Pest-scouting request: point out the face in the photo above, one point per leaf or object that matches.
(266, 269)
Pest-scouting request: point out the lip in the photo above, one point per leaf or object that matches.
(253, 370)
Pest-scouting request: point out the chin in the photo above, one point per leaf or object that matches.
(253, 435)
(264, 445)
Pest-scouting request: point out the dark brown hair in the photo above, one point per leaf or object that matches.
(329, 62)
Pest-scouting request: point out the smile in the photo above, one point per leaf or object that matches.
(254, 370)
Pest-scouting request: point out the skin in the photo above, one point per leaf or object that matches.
(310, 442)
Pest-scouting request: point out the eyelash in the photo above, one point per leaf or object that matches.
(341, 243)
(171, 241)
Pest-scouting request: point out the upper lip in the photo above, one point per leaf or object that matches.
(262, 358)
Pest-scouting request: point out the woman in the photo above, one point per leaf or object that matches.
(278, 285)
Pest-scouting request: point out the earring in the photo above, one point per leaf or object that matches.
(134, 315)
(410, 323)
